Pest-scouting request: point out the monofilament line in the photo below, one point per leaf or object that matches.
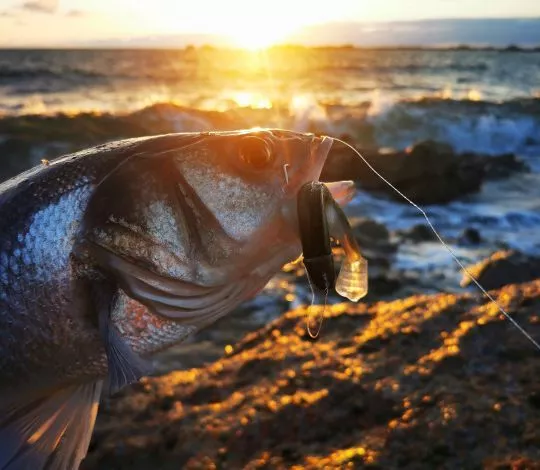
(313, 302)
(444, 244)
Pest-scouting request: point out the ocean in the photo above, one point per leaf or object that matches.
(484, 101)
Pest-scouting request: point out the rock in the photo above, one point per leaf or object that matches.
(16, 155)
(417, 233)
(530, 141)
(420, 382)
(428, 173)
(504, 165)
(470, 236)
(384, 285)
(498, 166)
(370, 232)
(503, 268)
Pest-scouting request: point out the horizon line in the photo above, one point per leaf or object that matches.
(435, 47)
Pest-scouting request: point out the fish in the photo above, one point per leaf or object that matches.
(112, 254)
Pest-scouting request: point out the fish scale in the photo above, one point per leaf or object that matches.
(36, 275)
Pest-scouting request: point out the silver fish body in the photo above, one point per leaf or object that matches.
(111, 254)
(45, 317)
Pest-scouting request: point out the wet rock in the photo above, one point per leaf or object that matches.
(374, 239)
(504, 165)
(384, 285)
(54, 135)
(503, 268)
(428, 173)
(418, 233)
(15, 157)
(470, 236)
(534, 399)
(371, 230)
(385, 385)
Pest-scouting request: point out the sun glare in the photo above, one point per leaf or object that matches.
(242, 23)
(257, 35)
(246, 99)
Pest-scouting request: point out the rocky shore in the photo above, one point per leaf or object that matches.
(428, 172)
(424, 382)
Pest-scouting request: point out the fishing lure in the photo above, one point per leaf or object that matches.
(320, 219)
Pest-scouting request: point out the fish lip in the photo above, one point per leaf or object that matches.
(320, 148)
(320, 153)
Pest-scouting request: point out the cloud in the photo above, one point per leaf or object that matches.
(40, 6)
(6, 14)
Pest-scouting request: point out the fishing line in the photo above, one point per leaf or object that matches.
(314, 291)
(445, 245)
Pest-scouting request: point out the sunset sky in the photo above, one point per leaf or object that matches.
(246, 22)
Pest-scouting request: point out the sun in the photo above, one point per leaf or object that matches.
(241, 23)
(256, 35)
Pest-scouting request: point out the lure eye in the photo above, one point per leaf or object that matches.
(256, 153)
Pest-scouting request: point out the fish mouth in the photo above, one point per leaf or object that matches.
(342, 191)
(319, 154)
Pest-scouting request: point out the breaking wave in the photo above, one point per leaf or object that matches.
(475, 126)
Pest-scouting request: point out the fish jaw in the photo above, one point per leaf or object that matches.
(320, 148)
(319, 154)
(342, 191)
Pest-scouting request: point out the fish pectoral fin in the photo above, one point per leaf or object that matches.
(51, 432)
(125, 367)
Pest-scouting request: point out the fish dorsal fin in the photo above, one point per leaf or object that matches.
(51, 432)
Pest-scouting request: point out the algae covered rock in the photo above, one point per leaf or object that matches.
(425, 382)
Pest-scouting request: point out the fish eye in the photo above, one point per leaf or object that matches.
(256, 152)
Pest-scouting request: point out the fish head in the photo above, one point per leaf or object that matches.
(193, 224)
(248, 180)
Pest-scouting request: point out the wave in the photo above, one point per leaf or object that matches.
(32, 73)
(467, 125)
(408, 68)
(13, 72)
(64, 78)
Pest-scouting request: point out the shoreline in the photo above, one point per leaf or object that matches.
(420, 382)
